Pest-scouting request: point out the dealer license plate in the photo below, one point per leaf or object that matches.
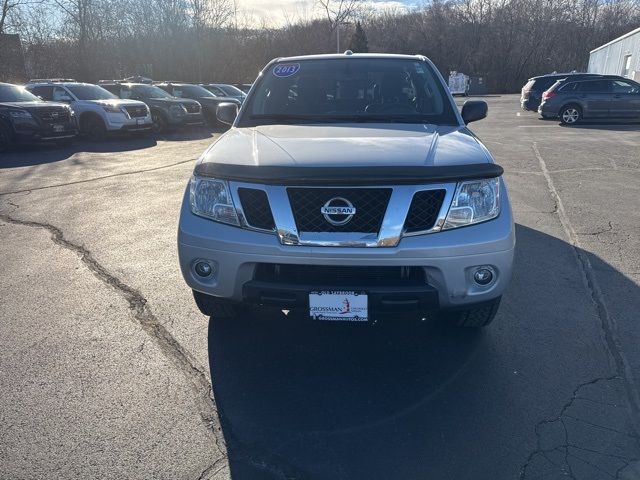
(339, 306)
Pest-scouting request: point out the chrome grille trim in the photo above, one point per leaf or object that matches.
(391, 231)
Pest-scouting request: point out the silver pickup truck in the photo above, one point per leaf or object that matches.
(349, 187)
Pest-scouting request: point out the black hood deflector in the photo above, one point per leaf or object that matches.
(365, 175)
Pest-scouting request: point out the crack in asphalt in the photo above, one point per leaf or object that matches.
(606, 229)
(213, 469)
(612, 344)
(87, 180)
(210, 413)
(566, 445)
(168, 345)
(607, 322)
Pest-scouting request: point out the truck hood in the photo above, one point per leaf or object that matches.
(167, 102)
(347, 145)
(217, 100)
(34, 105)
(117, 102)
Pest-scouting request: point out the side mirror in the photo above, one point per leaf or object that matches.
(227, 112)
(474, 110)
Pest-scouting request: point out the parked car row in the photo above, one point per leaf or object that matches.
(572, 97)
(57, 110)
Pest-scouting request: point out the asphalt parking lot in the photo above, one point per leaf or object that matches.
(107, 366)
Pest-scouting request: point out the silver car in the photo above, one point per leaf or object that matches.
(98, 111)
(349, 187)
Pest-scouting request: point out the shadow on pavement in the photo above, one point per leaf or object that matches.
(191, 133)
(632, 126)
(25, 156)
(404, 399)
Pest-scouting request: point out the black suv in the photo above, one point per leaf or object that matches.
(167, 111)
(607, 96)
(207, 99)
(25, 118)
(531, 94)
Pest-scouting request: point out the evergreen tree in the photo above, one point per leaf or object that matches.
(359, 43)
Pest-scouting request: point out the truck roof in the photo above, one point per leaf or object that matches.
(348, 53)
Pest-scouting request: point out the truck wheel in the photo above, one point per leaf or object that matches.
(94, 128)
(160, 123)
(67, 142)
(216, 307)
(570, 114)
(479, 315)
(5, 139)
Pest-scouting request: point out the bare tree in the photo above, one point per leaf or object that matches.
(12, 7)
(210, 13)
(504, 41)
(338, 11)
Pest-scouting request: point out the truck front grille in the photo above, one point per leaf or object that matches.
(136, 111)
(255, 206)
(339, 275)
(423, 211)
(370, 205)
(51, 115)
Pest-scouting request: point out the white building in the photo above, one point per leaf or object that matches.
(618, 57)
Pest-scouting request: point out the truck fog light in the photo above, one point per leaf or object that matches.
(483, 276)
(204, 268)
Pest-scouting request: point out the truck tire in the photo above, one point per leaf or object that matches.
(5, 139)
(570, 114)
(216, 307)
(479, 315)
(67, 142)
(94, 128)
(160, 123)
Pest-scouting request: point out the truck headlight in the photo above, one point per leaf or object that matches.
(475, 201)
(112, 108)
(211, 198)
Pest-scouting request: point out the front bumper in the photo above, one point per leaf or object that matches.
(189, 119)
(380, 298)
(117, 122)
(44, 134)
(449, 259)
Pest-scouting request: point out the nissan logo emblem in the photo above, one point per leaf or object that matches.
(338, 211)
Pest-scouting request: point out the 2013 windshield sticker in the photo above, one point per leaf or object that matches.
(286, 69)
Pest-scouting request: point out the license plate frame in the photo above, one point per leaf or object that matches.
(339, 305)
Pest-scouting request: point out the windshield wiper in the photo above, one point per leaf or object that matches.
(357, 118)
(287, 117)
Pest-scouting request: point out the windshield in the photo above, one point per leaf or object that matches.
(90, 92)
(351, 90)
(232, 91)
(11, 93)
(149, 91)
(192, 91)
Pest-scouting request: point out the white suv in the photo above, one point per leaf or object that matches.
(98, 111)
(347, 187)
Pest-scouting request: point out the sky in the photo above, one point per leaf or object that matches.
(279, 12)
